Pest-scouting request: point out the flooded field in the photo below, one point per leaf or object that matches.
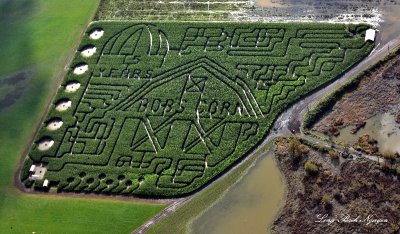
(381, 13)
(383, 128)
(250, 206)
(390, 26)
(267, 3)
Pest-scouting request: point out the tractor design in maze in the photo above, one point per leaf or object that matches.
(164, 108)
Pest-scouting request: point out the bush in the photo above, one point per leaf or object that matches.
(395, 228)
(333, 154)
(296, 148)
(326, 199)
(311, 168)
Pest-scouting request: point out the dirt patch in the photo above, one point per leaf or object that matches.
(332, 195)
(377, 93)
(12, 88)
(294, 125)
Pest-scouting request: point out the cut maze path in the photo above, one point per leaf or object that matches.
(162, 109)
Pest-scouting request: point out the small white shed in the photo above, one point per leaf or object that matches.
(370, 35)
(32, 169)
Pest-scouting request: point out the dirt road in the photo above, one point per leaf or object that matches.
(171, 208)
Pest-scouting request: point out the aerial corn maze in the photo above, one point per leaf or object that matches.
(162, 109)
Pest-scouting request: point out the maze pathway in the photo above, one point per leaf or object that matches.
(161, 109)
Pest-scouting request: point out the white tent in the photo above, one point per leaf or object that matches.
(32, 169)
(370, 35)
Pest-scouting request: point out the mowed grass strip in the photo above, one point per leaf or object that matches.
(37, 36)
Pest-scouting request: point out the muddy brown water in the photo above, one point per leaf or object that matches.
(390, 27)
(249, 206)
(381, 127)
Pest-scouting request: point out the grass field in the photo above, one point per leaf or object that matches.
(33, 213)
(165, 107)
(36, 39)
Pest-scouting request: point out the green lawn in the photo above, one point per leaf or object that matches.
(38, 36)
(32, 213)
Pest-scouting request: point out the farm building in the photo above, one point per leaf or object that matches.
(370, 35)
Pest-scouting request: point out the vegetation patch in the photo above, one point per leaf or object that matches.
(367, 144)
(379, 77)
(342, 189)
(161, 109)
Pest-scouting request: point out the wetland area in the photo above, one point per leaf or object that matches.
(250, 204)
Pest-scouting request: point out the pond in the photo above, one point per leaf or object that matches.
(382, 128)
(251, 204)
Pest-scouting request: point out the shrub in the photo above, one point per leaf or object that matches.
(296, 148)
(395, 228)
(318, 181)
(326, 199)
(367, 144)
(333, 154)
(311, 168)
